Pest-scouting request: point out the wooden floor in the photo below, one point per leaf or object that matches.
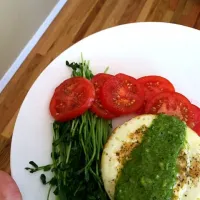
(78, 19)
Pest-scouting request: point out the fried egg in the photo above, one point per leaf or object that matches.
(129, 135)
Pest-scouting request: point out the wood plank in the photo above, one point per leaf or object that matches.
(160, 11)
(82, 16)
(197, 24)
(8, 130)
(132, 12)
(87, 23)
(101, 17)
(13, 95)
(57, 26)
(190, 17)
(188, 7)
(192, 20)
(148, 7)
(5, 154)
(178, 12)
(173, 4)
(153, 9)
(116, 14)
(168, 16)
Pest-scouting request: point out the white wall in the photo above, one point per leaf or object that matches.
(19, 20)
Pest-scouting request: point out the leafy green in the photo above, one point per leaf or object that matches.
(76, 152)
(33, 164)
(43, 179)
(80, 69)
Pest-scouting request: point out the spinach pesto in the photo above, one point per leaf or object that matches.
(151, 171)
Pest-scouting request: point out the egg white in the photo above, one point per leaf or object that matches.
(127, 136)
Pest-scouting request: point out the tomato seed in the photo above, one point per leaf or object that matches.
(192, 125)
(185, 109)
(153, 109)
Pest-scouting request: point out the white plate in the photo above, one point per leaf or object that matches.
(139, 49)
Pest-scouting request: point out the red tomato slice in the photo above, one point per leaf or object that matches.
(141, 110)
(125, 77)
(154, 85)
(170, 103)
(197, 128)
(97, 107)
(195, 125)
(72, 98)
(122, 94)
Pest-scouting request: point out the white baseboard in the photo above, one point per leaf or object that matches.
(31, 44)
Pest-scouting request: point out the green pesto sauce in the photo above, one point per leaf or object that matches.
(150, 173)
